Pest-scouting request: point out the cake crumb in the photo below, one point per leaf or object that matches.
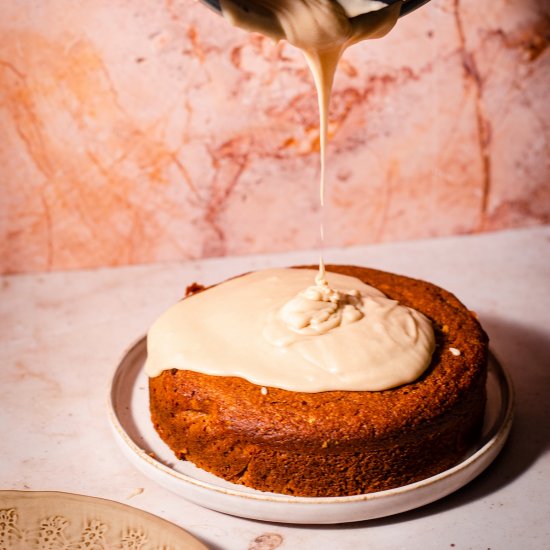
(193, 288)
(267, 541)
(454, 351)
(263, 391)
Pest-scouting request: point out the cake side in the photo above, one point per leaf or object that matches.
(336, 443)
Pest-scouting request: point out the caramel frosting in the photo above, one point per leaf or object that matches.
(338, 334)
(313, 24)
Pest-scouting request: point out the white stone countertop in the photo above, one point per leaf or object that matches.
(62, 335)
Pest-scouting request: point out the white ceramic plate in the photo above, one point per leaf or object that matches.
(33, 520)
(129, 414)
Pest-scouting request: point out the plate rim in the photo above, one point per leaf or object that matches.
(493, 441)
(69, 496)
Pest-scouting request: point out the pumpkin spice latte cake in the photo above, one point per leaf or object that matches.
(362, 382)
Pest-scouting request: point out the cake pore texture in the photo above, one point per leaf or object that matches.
(335, 443)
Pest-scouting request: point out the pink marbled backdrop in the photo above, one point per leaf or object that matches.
(135, 132)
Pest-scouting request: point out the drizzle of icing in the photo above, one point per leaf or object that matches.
(322, 30)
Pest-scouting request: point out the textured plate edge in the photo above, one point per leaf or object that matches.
(67, 497)
(477, 462)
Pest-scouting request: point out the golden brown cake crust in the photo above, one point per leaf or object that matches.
(338, 442)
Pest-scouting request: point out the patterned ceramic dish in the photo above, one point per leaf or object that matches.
(31, 520)
(129, 415)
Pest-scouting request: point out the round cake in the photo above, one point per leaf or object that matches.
(335, 443)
